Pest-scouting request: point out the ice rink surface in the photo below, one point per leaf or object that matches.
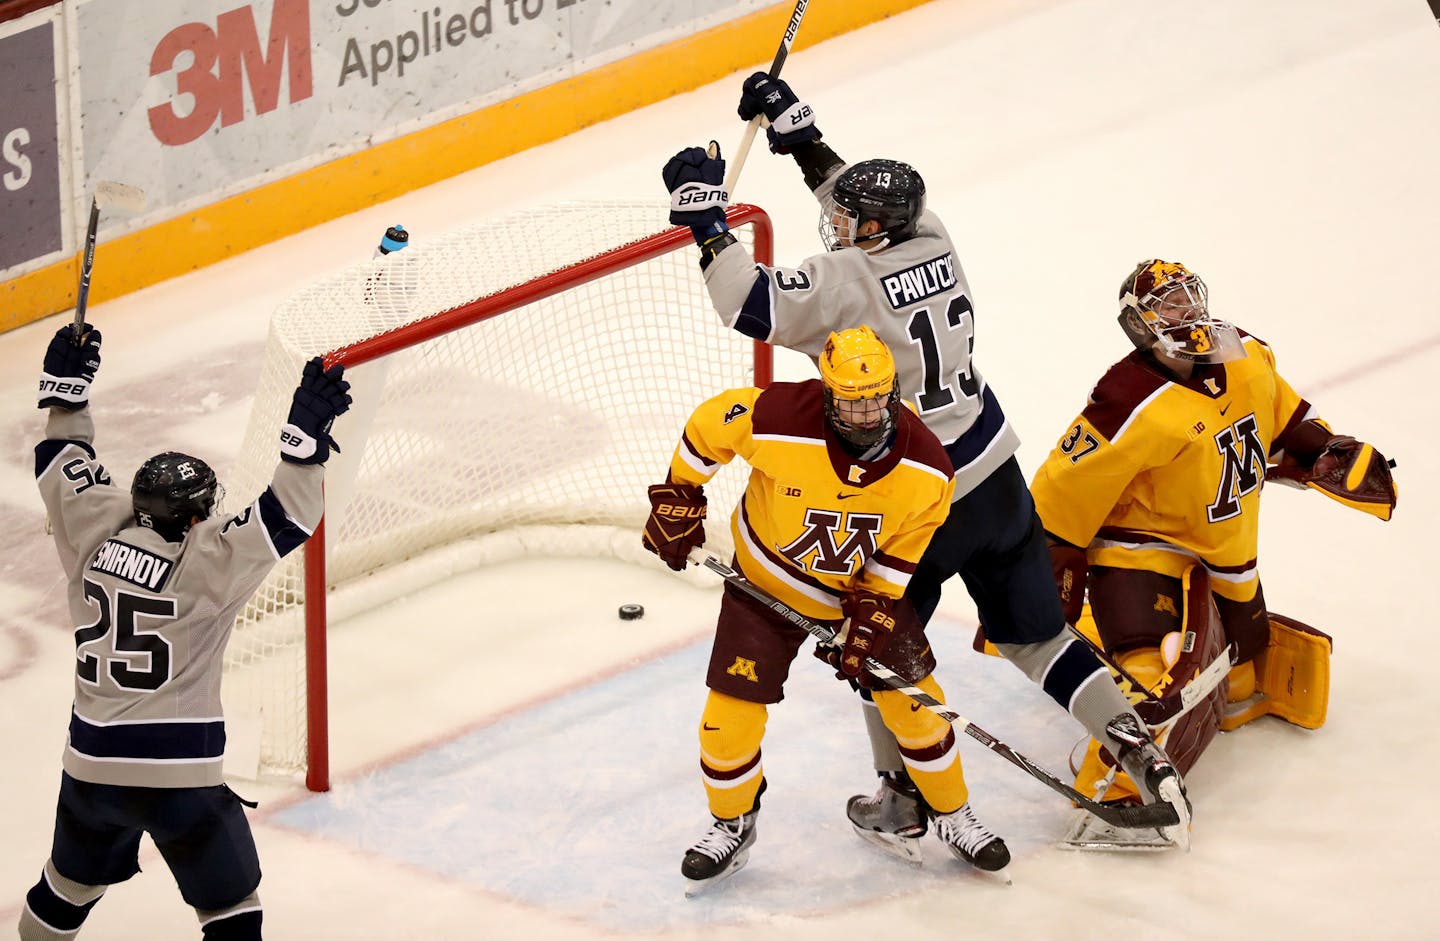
(512, 761)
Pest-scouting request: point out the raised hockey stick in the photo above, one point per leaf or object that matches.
(786, 41)
(1144, 816)
(108, 195)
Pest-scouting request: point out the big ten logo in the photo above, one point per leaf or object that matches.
(213, 67)
(17, 166)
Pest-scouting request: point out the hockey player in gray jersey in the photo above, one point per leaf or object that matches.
(155, 578)
(890, 264)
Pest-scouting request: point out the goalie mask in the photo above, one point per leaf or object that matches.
(1164, 307)
(886, 192)
(171, 490)
(862, 396)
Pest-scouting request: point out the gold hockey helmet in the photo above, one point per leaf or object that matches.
(1165, 306)
(862, 394)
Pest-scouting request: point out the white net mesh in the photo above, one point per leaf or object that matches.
(551, 416)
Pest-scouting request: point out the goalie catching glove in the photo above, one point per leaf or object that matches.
(1348, 471)
(69, 368)
(677, 522)
(323, 395)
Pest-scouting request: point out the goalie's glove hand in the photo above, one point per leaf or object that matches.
(791, 120)
(322, 395)
(677, 522)
(696, 181)
(1070, 566)
(872, 620)
(69, 368)
(1351, 471)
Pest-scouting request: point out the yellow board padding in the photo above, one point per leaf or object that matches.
(340, 187)
(1292, 678)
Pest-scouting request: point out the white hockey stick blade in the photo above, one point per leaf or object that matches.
(1090, 833)
(1179, 834)
(112, 195)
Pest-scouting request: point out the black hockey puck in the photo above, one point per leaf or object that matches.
(630, 612)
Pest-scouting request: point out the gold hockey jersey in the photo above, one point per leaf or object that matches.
(1157, 472)
(815, 523)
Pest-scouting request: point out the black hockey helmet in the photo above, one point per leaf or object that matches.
(171, 490)
(886, 191)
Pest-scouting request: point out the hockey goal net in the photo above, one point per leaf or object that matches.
(517, 385)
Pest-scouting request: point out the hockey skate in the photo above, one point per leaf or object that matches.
(720, 853)
(893, 819)
(969, 839)
(1153, 773)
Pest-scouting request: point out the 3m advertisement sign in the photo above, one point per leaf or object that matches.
(196, 100)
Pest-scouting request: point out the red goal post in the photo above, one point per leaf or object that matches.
(529, 374)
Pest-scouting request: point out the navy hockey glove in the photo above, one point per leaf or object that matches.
(696, 182)
(322, 395)
(69, 368)
(791, 120)
(677, 522)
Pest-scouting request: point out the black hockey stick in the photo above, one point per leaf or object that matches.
(1144, 816)
(786, 41)
(108, 195)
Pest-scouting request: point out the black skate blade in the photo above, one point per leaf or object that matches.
(696, 887)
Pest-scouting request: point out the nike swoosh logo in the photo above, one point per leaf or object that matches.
(846, 496)
(1225, 409)
(709, 728)
(914, 707)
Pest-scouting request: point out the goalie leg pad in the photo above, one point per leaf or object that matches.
(1292, 677)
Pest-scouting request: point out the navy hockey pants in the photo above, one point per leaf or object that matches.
(994, 541)
(200, 831)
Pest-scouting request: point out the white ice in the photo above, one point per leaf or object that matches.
(512, 761)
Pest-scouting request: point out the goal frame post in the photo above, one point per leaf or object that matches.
(317, 747)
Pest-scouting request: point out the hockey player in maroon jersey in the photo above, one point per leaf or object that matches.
(846, 487)
(155, 577)
(890, 264)
(1155, 489)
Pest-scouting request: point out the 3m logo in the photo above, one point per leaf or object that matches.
(223, 61)
(743, 668)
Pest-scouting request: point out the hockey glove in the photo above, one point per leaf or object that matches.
(69, 368)
(1349, 471)
(1070, 566)
(696, 182)
(677, 522)
(791, 120)
(323, 394)
(872, 619)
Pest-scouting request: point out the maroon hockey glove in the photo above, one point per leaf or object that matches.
(1069, 564)
(872, 618)
(1347, 470)
(677, 522)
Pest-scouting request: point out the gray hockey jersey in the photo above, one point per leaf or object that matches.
(152, 617)
(914, 296)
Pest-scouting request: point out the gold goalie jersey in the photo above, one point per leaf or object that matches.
(1157, 472)
(815, 523)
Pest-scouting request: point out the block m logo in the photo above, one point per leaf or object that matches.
(1243, 467)
(820, 548)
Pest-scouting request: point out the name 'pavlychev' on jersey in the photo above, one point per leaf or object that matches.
(915, 297)
(815, 523)
(152, 616)
(1123, 480)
